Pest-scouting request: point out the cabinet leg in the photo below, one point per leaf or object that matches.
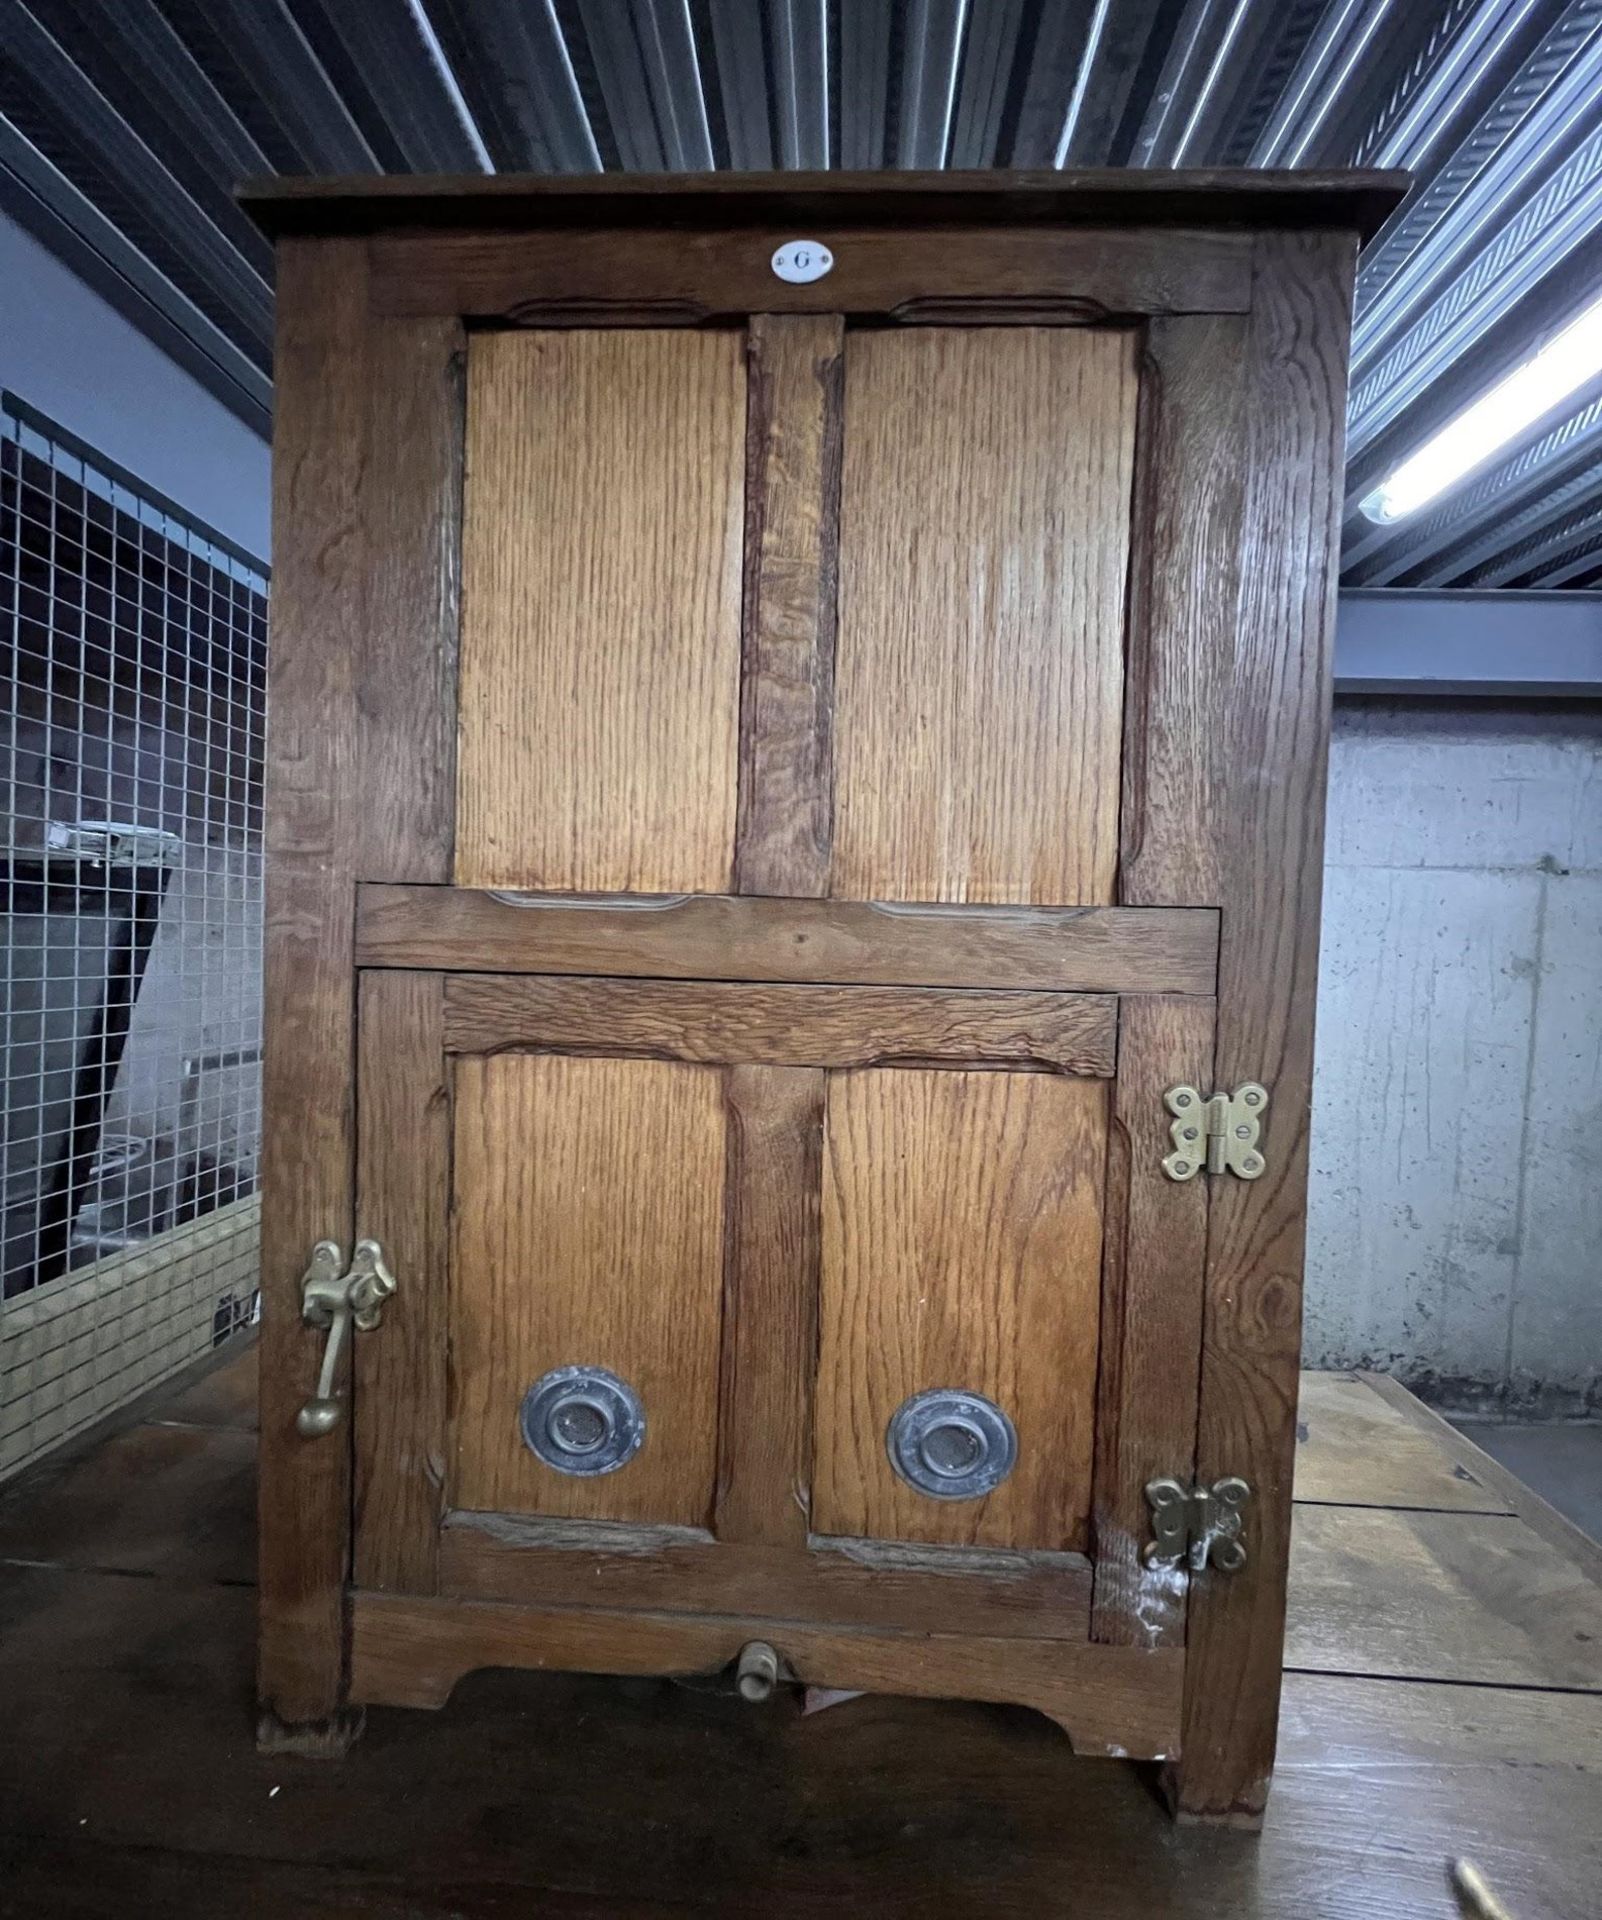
(329, 1739)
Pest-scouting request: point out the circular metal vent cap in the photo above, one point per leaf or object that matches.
(582, 1420)
(950, 1444)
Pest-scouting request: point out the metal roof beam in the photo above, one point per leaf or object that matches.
(799, 36)
(931, 56)
(39, 197)
(743, 83)
(515, 70)
(92, 127)
(1490, 645)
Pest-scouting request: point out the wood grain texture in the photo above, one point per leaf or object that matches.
(412, 1653)
(1184, 596)
(1151, 1313)
(588, 1212)
(536, 277)
(1440, 1596)
(770, 1309)
(1074, 950)
(962, 1230)
(601, 613)
(852, 1583)
(721, 1023)
(316, 657)
(403, 1177)
(1274, 704)
(1353, 1448)
(792, 494)
(980, 666)
(411, 499)
(366, 468)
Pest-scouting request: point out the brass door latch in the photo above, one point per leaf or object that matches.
(1198, 1525)
(1219, 1134)
(339, 1300)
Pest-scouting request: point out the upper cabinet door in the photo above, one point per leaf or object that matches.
(603, 522)
(984, 552)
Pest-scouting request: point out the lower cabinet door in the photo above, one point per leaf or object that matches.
(799, 1313)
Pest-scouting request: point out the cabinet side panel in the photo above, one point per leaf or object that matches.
(984, 543)
(308, 1066)
(601, 565)
(588, 1231)
(366, 468)
(1276, 715)
(962, 1222)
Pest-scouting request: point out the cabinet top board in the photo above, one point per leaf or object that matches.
(1350, 200)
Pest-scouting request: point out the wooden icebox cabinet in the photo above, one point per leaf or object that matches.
(795, 778)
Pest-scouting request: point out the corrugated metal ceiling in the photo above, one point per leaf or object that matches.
(124, 125)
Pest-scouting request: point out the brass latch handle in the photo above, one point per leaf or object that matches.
(338, 1301)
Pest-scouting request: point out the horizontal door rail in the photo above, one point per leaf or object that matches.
(840, 942)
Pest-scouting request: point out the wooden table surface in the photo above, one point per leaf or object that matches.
(1443, 1696)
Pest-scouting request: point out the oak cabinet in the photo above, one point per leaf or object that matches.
(787, 804)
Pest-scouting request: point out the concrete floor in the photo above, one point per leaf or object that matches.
(1562, 1463)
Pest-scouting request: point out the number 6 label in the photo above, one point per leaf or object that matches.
(799, 261)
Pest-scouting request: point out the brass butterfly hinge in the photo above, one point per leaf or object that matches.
(1199, 1526)
(1219, 1134)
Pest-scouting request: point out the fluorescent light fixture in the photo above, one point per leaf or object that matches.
(1567, 361)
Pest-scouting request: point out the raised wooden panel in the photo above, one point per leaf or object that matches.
(588, 1231)
(962, 1229)
(601, 558)
(980, 667)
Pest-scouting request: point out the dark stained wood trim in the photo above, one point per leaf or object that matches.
(520, 279)
(843, 942)
(402, 1201)
(1275, 707)
(773, 1253)
(411, 1652)
(784, 833)
(308, 1068)
(856, 1583)
(722, 1023)
(1184, 593)
(1156, 1256)
(1353, 200)
(361, 699)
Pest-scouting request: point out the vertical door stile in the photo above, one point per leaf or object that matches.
(1156, 1252)
(775, 1120)
(794, 414)
(403, 1201)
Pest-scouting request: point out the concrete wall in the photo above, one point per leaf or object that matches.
(64, 350)
(1455, 1231)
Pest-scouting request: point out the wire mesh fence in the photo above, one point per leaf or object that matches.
(130, 949)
